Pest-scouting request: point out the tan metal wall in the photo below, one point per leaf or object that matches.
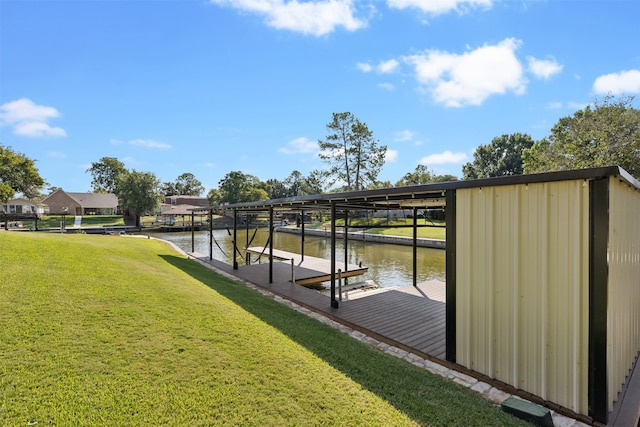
(623, 323)
(522, 287)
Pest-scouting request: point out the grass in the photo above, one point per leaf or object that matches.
(53, 221)
(427, 229)
(102, 330)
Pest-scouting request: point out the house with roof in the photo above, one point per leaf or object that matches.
(61, 201)
(22, 206)
(186, 200)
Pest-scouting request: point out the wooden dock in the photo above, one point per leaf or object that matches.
(307, 271)
(406, 317)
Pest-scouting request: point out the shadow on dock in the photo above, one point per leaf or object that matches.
(407, 317)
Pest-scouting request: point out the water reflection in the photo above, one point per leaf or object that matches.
(389, 265)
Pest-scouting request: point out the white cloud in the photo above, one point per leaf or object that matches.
(403, 135)
(317, 18)
(130, 161)
(573, 105)
(543, 68)
(149, 143)
(36, 129)
(300, 145)
(364, 67)
(386, 86)
(443, 158)
(391, 155)
(57, 155)
(439, 7)
(624, 82)
(470, 78)
(386, 67)
(29, 119)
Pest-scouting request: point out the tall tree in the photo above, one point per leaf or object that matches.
(18, 174)
(237, 187)
(503, 156)
(299, 185)
(352, 154)
(185, 185)
(606, 134)
(420, 175)
(169, 189)
(276, 189)
(188, 185)
(214, 196)
(139, 193)
(106, 175)
(444, 178)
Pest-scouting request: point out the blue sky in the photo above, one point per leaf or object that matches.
(210, 87)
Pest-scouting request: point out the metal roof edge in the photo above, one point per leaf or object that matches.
(407, 192)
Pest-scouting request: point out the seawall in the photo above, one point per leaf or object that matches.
(359, 235)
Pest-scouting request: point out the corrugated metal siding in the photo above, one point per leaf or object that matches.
(522, 287)
(623, 309)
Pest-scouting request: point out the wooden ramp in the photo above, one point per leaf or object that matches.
(307, 271)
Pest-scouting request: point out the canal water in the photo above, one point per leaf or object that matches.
(388, 264)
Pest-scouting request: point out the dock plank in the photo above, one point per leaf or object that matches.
(404, 316)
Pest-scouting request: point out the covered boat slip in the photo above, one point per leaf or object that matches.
(542, 283)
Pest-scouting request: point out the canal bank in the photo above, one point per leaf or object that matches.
(366, 237)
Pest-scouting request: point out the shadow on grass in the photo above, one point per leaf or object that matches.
(424, 397)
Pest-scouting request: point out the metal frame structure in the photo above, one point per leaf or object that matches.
(443, 195)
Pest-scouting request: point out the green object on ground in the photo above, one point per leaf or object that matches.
(528, 411)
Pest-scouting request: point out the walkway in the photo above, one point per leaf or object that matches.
(405, 317)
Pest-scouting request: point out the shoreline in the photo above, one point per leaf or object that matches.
(377, 238)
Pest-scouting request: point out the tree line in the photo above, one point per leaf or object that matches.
(603, 134)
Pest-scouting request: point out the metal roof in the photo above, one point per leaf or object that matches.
(422, 196)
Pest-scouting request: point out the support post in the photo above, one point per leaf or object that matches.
(346, 243)
(210, 234)
(450, 256)
(302, 235)
(193, 237)
(598, 290)
(415, 247)
(293, 271)
(334, 302)
(340, 284)
(271, 245)
(235, 240)
(246, 221)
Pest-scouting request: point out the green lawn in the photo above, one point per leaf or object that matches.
(53, 221)
(394, 227)
(103, 330)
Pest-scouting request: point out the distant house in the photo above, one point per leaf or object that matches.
(186, 200)
(177, 214)
(81, 203)
(22, 206)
